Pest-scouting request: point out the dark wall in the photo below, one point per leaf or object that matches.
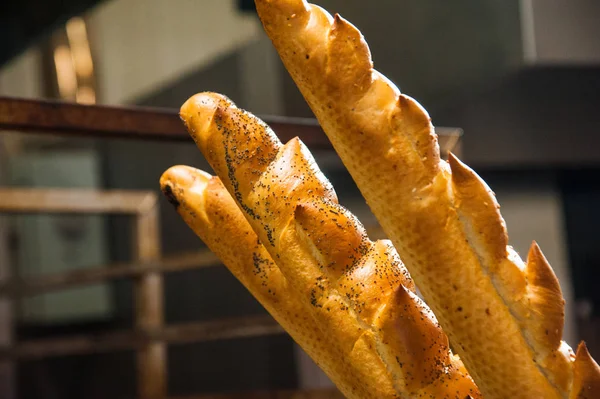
(581, 195)
(432, 50)
(543, 117)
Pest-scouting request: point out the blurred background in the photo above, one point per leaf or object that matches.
(521, 79)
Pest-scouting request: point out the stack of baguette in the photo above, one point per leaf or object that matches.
(504, 316)
(275, 222)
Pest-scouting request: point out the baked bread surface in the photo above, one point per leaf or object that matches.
(504, 316)
(357, 291)
(205, 205)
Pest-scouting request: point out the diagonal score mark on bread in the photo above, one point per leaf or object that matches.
(356, 290)
(504, 317)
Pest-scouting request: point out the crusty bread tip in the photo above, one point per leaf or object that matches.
(503, 316)
(360, 296)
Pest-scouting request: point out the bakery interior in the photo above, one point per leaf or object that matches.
(89, 94)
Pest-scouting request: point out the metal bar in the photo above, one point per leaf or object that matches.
(7, 307)
(61, 118)
(69, 201)
(75, 278)
(58, 117)
(126, 340)
(149, 312)
(242, 327)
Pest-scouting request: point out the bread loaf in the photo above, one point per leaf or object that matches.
(208, 209)
(357, 291)
(504, 317)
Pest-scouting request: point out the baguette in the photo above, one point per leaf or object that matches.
(504, 317)
(357, 291)
(207, 208)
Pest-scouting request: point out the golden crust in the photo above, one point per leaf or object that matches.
(210, 211)
(319, 232)
(546, 300)
(586, 379)
(479, 205)
(442, 218)
(350, 283)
